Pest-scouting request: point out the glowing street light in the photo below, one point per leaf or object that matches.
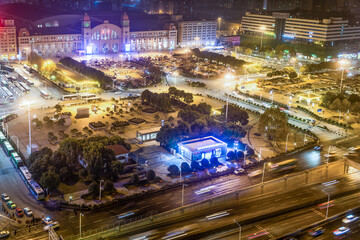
(343, 64)
(262, 29)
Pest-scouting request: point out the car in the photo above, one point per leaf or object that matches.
(341, 231)
(46, 220)
(28, 212)
(239, 171)
(11, 204)
(255, 173)
(5, 197)
(19, 212)
(4, 234)
(316, 231)
(350, 218)
(257, 134)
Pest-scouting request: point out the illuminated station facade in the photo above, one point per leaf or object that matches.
(48, 38)
(200, 148)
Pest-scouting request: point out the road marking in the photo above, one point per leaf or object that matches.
(318, 213)
(268, 233)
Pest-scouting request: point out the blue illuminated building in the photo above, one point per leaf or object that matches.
(200, 148)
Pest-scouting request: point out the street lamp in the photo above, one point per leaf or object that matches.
(239, 228)
(343, 63)
(182, 194)
(263, 173)
(328, 155)
(328, 202)
(219, 20)
(80, 215)
(262, 29)
(260, 152)
(287, 136)
(100, 190)
(227, 101)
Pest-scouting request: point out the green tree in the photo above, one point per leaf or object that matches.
(355, 107)
(58, 108)
(134, 179)
(195, 165)
(150, 175)
(293, 75)
(52, 137)
(73, 148)
(185, 168)
(336, 104)
(109, 186)
(48, 121)
(205, 163)
(64, 174)
(274, 123)
(50, 180)
(236, 114)
(232, 130)
(248, 51)
(61, 122)
(173, 170)
(94, 189)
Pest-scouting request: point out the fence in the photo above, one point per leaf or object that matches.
(286, 183)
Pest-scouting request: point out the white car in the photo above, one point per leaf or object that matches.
(239, 171)
(5, 197)
(28, 212)
(341, 231)
(350, 218)
(255, 173)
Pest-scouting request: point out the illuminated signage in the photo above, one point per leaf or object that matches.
(127, 47)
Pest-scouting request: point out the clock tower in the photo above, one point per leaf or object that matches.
(125, 29)
(86, 30)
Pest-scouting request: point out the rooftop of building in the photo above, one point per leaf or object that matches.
(202, 144)
(149, 130)
(118, 149)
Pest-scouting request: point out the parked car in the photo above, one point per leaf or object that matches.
(5, 197)
(4, 234)
(239, 171)
(28, 212)
(11, 204)
(19, 212)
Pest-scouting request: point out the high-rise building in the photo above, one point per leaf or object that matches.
(197, 33)
(7, 39)
(326, 32)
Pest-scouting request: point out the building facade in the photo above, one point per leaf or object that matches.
(326, 32)
(8, 46)
(197, 33)
(105, 37)
(207, 147)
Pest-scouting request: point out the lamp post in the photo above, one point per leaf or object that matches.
(343, 63)
(80, 215)
(328, 202)
(287, 136)
(182, 195)
(260, 153)
(328, 155)
(219, 20)
(100, 190)
(239, 228)
(30, 145)
(263, 174)
(262, 28)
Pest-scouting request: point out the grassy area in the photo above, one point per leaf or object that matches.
(78, 186)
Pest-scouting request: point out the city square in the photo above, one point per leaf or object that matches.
(179, 119)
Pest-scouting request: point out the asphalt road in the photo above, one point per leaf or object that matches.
(274, 227)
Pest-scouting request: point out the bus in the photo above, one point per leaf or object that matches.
(16, 159)
(8, 148)
(45, 94)
(87, 95)
(2, 138)
(33, 186)
(283, 166)
(25, 174)
(69, 97)
(9, 94)
(4, 81)
(20, 87)
(27, 89)
(36, 190)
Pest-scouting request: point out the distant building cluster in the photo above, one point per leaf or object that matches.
(285, 27)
